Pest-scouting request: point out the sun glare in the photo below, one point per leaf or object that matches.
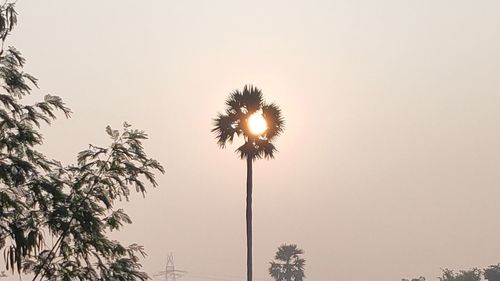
(257, 123)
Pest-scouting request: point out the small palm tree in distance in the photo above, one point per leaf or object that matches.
(258, 123)
(288, 264)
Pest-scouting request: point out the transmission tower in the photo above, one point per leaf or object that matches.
(171, 274)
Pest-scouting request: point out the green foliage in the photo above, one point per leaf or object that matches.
(464, 275)
(492, 273)
(234, 122)
(289, 264)
(54, 219)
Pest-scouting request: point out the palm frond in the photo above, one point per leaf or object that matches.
(274, 119)
(252, 98)
(265, 149)
(226, 126)
(247, 151)
(234, 102)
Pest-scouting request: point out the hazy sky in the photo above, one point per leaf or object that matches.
(389, 165)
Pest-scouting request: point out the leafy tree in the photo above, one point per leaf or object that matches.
(464, 275)
(242, 106)
(54, 219)
(288, 264)
(492, 273)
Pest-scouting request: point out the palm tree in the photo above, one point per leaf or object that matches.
(289, 265)
(259, 123)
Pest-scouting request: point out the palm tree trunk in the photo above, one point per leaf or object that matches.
(249, 219)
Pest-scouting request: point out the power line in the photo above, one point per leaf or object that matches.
(210, 278)
(222, 277)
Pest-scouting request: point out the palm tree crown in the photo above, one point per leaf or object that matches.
(234, 122)
(288, 264)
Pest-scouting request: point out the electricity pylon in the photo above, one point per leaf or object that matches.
(171, 274)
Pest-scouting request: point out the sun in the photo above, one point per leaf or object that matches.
(257, 124)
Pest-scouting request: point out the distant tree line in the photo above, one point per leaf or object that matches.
(289, 265)
(491, 273)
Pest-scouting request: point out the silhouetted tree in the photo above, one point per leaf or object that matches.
(492, 273)
(241, 105)
(54, 219)
(288, 264)
(464, 275)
